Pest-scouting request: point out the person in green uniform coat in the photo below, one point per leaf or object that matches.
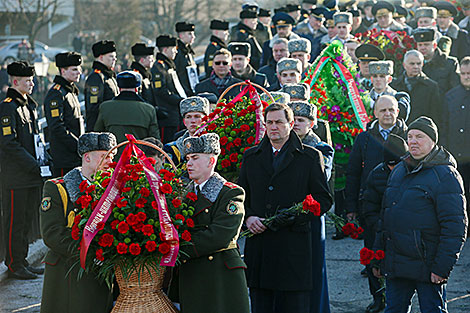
(212, 274)
(128, 113)
(62, 290)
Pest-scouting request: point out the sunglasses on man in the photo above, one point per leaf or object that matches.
(221, 63)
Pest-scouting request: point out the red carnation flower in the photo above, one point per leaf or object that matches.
(186, 236)
(100, 226)
(243, 112)
(228, 112)
(379, 255)
(166, 188)
(191, 196)
(164, 248)
(348, 229)
(121, 202)
(190, 223)
(141, 216)
(91, 188)
(152, 161)
(75, 233)
(354, 235)
(144, 192)
(176, 202)
(114, 224)
(225, 163)
(147, 230)
(123, 227)
(77, 219)
(250, 140)
(138, 227)
(360, 230)
(237, 142)
(366, 255)
(150, 246)
(140, 203)
(211, 115)
(132, 219)
(228, 121)
(99, 255)
(83, 185)
(134, 249)
(112, 164)
(106, 240)
(105, 174)
(154, 205)
(105, 182)
(223, 140)
(233, 157)
(168, 176)
(211, 127)
(311, 205)
(126, 189)
(121, 248)
(244, 128)
(179, 217)
(251, 108)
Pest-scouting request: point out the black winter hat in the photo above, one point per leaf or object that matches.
(20, 69)
(427, 126)
(103, 47)
(219, 25)
(248, 14)
(184, 27)
(394, 148)
(141, 49)
(67, 59)
(166, 41)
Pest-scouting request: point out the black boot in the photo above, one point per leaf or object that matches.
(21, 273)
(377, 305)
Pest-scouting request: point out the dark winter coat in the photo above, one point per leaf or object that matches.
(443, 70)
(367, 152)
(215, 45)
(100, 85)
(460, 41)
(242, 33)
(270, 71)
(209, 86)
(147, 90)
(183, 59)
(18, 165)
(64, 122)
(424, 218)
(253, 76)
(281, 260)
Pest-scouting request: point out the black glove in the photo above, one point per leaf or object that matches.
(282, 219)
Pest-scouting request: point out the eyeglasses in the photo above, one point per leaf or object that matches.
(221, 62)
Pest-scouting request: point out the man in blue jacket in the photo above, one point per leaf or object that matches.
(424, 223)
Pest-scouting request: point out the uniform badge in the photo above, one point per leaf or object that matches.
(298, 108)
(94, 99)
(5, 120)
(55, 113)
(293, 92)
(210, 63)
(54, 104)
(193, 103)
(188, 145)
(232, 208)
(158, 84)
(46, 204)
(6, 131)
(94, 90)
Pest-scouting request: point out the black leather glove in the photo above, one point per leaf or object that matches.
(282, 219)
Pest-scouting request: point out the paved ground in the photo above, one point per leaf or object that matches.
(348, 290)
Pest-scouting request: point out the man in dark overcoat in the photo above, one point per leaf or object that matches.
(62, 290)
(276, 174)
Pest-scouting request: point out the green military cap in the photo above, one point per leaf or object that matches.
(400, 11)
(381, 67)
(94, 141)
(368, 52)
(445, 43)
(299, 45)
(382, 8)
(207, 144)
(279, 97)
(286, 64)
(297, 91)
(240, 48)
(303, 108)
(342, 17)
(194, 104)
(423, 34)
(430, 12)
(445, 9)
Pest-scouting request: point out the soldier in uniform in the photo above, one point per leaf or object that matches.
(62, 290)
(244, 31)
(343, 22)
(241, 53)
(263, 28)
(357, 26)
(313, 29)
(218, 41)
(184, 60)
(289, 71)
(128, 113)
(143, 62)
(442, 69)
(192, 109)
(383, 12)
(280, 51)
(369, 18)
(446, 12)
(306, 6)
(212, 265)
(101, 84)
(294, 10)
(21, 174)
(168, 90)
(332, 31)
(62, 110)
(366, 53)
(300, 49)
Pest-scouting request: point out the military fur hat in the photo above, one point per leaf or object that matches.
(286, 64)
(264, 12)
(297, 91)
(194, 104)
(95, 142)
(381, 67)
(299, 45)
(218, 25)
(248, 14)
(279, 97)
(184, 27)
(103, 47)
(129, 79)
(430, 12)
(343, 17)
(424, 34)
(166, 41)
(20, 69)
(67, 59)
(141, 49)
(240, 48)
(207, 144)
(303, 108)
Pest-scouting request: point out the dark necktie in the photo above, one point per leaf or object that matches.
(198, 190)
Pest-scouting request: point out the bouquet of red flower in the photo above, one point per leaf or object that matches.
(134, 234)
(368, 255)
(393, 44)
(350, 229)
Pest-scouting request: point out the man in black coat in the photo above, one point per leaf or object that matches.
(62, 110)
(143, 62)
(101, 84)
(279, 51)
(167, 87)
(218, 41)
(241, 68)
(276, 174)
(423, 91)
(244, 31)
(439, 67)
(221, 77)
(20, 171)
(184, 60)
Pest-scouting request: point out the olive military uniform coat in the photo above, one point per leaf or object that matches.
(212, 275)
(62, 292)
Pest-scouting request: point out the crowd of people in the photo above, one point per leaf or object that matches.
(407, 178)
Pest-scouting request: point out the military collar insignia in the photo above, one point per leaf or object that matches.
(213, 187)
(72, 182)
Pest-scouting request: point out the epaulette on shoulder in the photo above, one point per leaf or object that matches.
(57, 181)
(97, 71)
(242, 31)
(56, 87)
(7, 100)
(160, 61)
(214, 43)
(135, 70)
(230, 185)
